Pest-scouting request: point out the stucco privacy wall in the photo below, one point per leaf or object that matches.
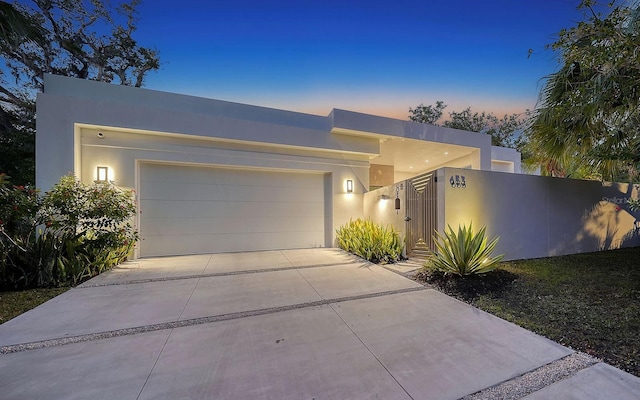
(143, 126)
(538, 216)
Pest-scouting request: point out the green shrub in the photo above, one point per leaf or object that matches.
(74, 232)
(19, 211)
(370, 241)
(463, 253)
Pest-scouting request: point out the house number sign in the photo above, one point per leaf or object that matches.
(458, 181)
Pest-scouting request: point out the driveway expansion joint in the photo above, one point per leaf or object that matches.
(211, 275)
(16, 348)
(537, 379)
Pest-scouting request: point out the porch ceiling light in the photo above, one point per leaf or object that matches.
(349, 186)
(103, 174)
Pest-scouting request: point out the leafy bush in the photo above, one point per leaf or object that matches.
(463, 253)
(19, 207)
(72, 233)
(370, 241)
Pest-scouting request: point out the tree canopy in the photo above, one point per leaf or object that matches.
(504, 131)
(587, 122)
(429, 114)
(77, 38)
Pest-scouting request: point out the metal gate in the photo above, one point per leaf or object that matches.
(421, 201)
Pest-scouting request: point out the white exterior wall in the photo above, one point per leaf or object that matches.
(539, 216)
(140, 125)
(504, 159)
(379, 206)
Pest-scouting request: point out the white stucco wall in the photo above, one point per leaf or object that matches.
(379, 206)
(539, 216)
(504, 159)
(141, 125)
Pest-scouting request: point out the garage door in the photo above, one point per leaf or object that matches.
(193, 210)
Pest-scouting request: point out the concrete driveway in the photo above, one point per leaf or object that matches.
(291, 324)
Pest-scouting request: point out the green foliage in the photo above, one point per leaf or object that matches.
(83, 39)
(370, 241)
(504, 131)
(587, 124)
(98, 208)
(463, 252)
(15, 27)
(430, 114)
(72, 233)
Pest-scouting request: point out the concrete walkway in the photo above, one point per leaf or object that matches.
(292, 324)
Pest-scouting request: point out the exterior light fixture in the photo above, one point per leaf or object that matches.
(384, 197)
(397, 201)
(349, 186)
(103, 174)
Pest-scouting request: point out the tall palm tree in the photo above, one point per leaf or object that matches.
(587, 123)
(16, 27)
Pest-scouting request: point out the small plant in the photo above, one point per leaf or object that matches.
(463, 253)
(370, 241)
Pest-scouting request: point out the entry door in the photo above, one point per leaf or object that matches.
(421, 213)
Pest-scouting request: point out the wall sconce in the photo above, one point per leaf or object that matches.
(349, 186)
(384, 197)
(103, 174)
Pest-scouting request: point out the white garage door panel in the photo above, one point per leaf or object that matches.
(228, 242)
(200, 226)
(196, 191)
(203, 209)
(191, 210)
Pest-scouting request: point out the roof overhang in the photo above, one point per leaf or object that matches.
(409, 146)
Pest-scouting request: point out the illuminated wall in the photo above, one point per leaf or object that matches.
(379, 206)
(538, 216)
(83, 125)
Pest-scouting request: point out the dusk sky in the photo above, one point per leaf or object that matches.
(377, 57)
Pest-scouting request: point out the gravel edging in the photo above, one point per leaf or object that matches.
(535, 380)
(87, 284)
(16, 348)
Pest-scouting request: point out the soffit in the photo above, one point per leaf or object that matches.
(412, 155)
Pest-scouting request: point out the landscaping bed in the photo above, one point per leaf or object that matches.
(589, 302)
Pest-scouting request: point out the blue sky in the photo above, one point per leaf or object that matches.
(378, 57)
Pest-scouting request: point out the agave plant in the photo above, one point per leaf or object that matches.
(463, 252)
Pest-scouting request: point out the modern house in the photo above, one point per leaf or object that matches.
(214, 176)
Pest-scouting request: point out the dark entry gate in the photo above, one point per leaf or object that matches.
(421, 200)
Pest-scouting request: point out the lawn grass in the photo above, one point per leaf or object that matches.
(589, 302)
(14, 303)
